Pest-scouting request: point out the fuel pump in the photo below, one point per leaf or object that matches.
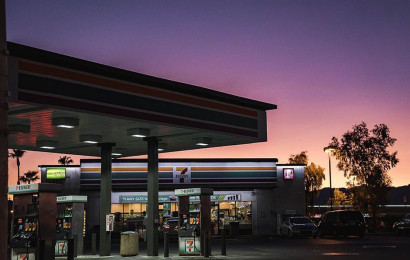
(34, 215)
(194, 220)
(70, 223)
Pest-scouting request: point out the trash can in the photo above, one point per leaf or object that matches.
(129, 243)
(234, 228)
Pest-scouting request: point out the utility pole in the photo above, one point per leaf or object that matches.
(329, 149)
(3, 132)
(330, 180)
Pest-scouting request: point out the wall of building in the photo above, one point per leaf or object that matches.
(71, 183)
(93, 212)
(263, 212)
(289, 196)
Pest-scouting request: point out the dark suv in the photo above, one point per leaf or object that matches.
(403, 225)
(342, 222)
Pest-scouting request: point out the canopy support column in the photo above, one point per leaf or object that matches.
(3, 131)
(105, 197)
(152, 206)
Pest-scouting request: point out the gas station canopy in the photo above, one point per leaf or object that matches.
(66, 105)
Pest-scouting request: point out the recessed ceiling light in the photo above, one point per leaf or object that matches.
(118, 151)
(47, 144)
(162, 147)
(91, 139)
(202, 141)
(65, 122)
(138, 132)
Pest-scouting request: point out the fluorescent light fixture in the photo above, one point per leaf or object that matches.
(138, 132)
(202, 141)
(65, 126)
(19, 129)
(162, 147)
(118, 151)
(65, 122)
(91, 139)
(46, 144)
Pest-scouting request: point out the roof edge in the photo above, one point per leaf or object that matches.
(59, 166)
(52, 58)
(290, 164)
(191, 160)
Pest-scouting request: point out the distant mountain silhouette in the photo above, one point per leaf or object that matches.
(395, 198)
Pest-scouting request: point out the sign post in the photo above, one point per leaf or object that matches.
(109, 223)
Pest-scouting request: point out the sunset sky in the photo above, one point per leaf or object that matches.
(328, 65)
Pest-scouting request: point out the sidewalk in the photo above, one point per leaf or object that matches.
(232, 253)
(117, 257)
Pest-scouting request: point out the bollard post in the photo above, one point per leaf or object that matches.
(75, 237)
(70, 249)
(41, 247)
(93, 243)
(210, 244)
(166, 244)
(223, 242)
(206, 244)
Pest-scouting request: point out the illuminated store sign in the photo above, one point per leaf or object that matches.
(183, 174)
(72, 198)
(288, 174)
(188, 192)
(26, 188)
(164, 199)
(55, 173)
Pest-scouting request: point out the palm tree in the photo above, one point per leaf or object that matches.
(65, 160)
(29, 176)
(17, 153)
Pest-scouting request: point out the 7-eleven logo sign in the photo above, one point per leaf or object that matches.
(182, 175)
(22, 257)
(189, 246)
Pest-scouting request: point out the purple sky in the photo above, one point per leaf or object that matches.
(327, 64)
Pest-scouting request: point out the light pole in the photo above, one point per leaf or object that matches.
(328, 150)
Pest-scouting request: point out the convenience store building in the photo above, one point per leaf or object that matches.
(251, 196)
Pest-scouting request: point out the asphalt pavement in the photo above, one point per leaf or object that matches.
(370, 247)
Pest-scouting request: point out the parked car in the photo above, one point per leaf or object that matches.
(298, 226)
(402, 226)
(170, 226)
(342, 222)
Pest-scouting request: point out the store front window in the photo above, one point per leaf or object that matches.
(234, 216)
(130, 216)
(225, 214)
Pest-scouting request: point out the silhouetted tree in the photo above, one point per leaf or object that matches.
(301, 158)
(364, 154)
(314, 176)
(17, 153)
(29, 176)
(340, 199)
(65, 160)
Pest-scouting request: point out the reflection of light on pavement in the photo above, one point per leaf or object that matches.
(379, 246)
(340, 254)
